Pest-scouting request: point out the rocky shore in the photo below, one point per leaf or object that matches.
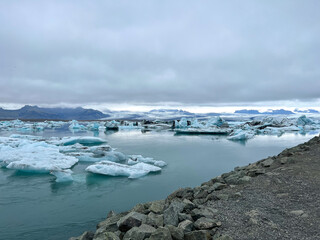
(274, 198)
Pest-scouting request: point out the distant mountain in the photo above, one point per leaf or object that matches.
(306, 111)
(245, 111)
(278, 111)
(270, 112)
(35, 112)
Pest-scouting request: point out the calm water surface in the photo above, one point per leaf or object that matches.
(34, 206)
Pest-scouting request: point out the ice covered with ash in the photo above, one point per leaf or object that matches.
(134, 159)
(117, 169)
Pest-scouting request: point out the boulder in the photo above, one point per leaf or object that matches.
(176, 233)
(198, 235)
(206, 223)
(139, 233)
(171, 214)
(267, 163)
(186, 226)
(161, 234)
(132, 219)
(106, 236)
(84, 236)
(157, 206)
(203, 212)
(155, 220)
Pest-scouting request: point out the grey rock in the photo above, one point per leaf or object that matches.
(139, 233)
(186, 226)
(84, 236)
(198, 235)
(170, 215)
(206, 223)
(107, 236)
(203, 212)
(181, 193)
(155, 220)
(256, 171)
(176, 233)
(161, 234)
(157, 206)
(267, 163)
(233, 177)
(184, 216)
(132, 219)
(223, 237)
(199, 201)
(188, 205)
(217, 186)
(111, 214)
(297, 212)
(142, 208)
(244, 179)
(110, 224)
(284, 160)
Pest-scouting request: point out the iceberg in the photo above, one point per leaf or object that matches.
(303, 120)
(216, 121)
(112, 125)
(62, 175)
(86, 141)
(134, 159)
(26, 155)
(76, 126)
(183, 123)
(117, 169)
(240, 134)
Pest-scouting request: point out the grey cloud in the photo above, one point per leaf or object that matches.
(192, 52)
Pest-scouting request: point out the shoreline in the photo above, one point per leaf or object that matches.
(273, 198)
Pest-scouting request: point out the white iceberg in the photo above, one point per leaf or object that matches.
(76, 126)
(62, 175)
(26, 155)
(112, 125)
(134, 159)
(117, 169)
(240, 134)
(183, 123)
(216, 121)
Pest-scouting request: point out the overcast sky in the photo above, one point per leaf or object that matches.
(152, 52)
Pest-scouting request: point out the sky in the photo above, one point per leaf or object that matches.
(152, 54)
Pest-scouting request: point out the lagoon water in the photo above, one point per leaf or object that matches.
(34, 206)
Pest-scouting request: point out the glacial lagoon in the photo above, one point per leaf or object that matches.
(35, 206)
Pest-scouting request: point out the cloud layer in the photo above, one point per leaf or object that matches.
(191, 52)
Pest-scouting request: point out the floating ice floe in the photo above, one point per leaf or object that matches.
(240, 134)
(87, 141)
(303, 120)
(27, 155)
(112, 125)
(183, 123)
(216, 121)
(117, 169)
(62, 175)
(134, 159)
(76, 126)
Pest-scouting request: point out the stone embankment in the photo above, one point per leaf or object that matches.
(275, 198)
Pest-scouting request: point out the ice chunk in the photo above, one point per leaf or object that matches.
(303, 120)
(94, 126)
(133, 159)
(216, 121)
(183, 123)
(112, 156)
(117, 169)
(26, 155)
(112, 125)
(76, 126)
(63, 175)
(240, 134)
(87, 141)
